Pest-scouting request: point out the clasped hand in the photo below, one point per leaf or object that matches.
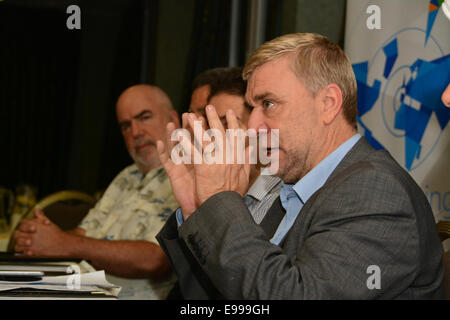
(39, 237)
(193, 183)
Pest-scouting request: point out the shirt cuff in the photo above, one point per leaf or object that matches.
(179, 217)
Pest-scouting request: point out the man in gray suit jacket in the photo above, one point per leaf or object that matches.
(354, 224)
(226, 91)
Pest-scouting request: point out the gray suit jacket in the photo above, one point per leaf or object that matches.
(370, 212)
(193, 283)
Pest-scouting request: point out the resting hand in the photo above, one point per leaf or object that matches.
(39, 237)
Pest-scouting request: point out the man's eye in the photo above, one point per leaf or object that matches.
(145, 117)
(267, 104)
(124, 126)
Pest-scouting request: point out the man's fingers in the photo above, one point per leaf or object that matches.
(232, 121)
(204, 123)
(180, 146)
(170, 129)
(235, 138)
(26, 251)
(27, 226)
(162, 152)
(187, 124)
(185, 121)
(213, 118)
(248, 160)
(23, 242)
(21, 249)
(38, 213)
(164, 148)
(196, 146)
(17, 234)
(41, 217)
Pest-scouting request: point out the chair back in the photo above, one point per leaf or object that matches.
(444, 233)
(65, 208)
(6, 207)
(443, 230)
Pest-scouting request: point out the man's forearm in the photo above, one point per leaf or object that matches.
(131, 259)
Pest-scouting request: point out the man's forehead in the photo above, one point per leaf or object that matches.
(223, 101)
(199, 98)
(268, 76)
(141, 96)
(254, 84)
(136, 108)
(261, 80)
(202, 90)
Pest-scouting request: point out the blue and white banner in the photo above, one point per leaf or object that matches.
(400, 51)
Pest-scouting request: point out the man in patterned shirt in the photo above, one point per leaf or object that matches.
(118, 234)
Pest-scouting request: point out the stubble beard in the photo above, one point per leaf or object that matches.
(295, 167)
(142, 160)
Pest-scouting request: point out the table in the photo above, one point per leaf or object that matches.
(74, 280)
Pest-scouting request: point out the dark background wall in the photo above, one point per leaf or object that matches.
(58, 87)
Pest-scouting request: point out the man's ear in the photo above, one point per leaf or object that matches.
(331, 102)
(174, 117)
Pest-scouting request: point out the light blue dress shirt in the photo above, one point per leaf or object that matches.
(293, 197)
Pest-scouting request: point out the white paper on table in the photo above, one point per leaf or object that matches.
(78, 282)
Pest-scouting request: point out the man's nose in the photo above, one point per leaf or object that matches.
(136, 129)
(256, 120)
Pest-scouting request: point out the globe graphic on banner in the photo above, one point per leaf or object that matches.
(407, 89)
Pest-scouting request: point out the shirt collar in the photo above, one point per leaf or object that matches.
(317, 177)
(262, 186)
